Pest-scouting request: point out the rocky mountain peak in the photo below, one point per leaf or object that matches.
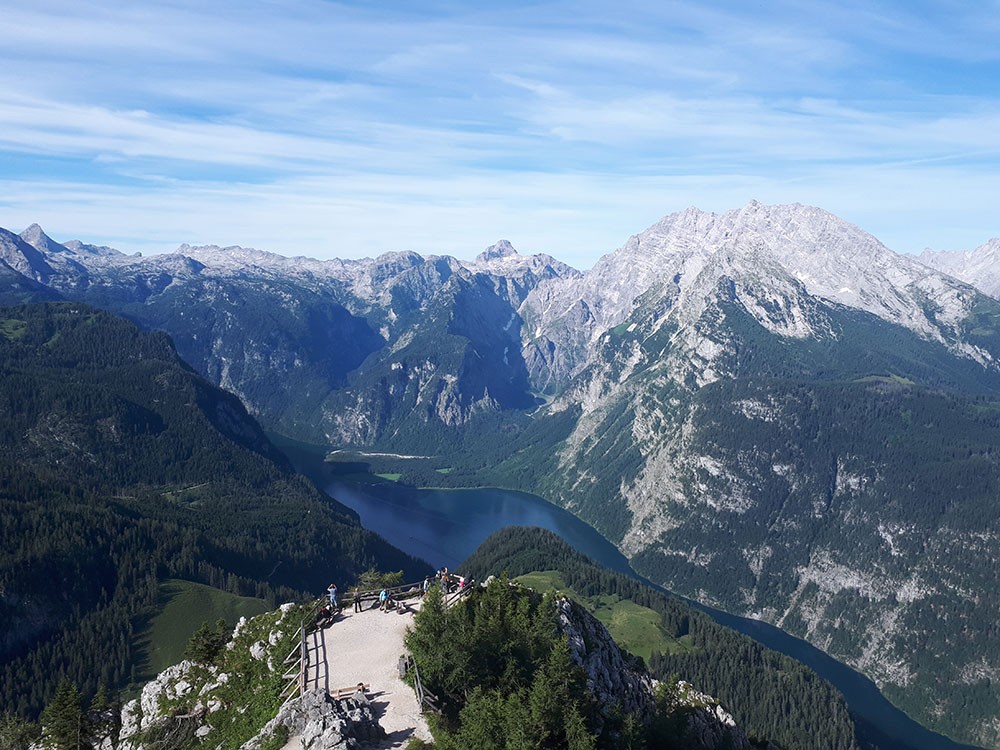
(774, 256)
(830, 257)
(501, 249)
(23, 257)
(37, 238)
(979, 267)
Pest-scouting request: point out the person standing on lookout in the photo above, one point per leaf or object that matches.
(332, 591)
(357, 598)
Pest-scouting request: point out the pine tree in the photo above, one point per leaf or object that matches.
(207, 642)
(16, 733)
(64, 723)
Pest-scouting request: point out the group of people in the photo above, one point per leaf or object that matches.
(447, 581)
(385, 599)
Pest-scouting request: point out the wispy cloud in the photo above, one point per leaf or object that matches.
(346, 128)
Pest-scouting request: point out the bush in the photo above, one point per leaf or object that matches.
(206, 644)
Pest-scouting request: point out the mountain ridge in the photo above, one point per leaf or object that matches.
(976, 267)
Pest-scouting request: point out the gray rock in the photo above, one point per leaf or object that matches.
(323, 723)
(612, 680)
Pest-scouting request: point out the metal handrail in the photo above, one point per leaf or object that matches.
(425, 698)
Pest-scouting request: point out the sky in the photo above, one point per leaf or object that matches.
(348, 129)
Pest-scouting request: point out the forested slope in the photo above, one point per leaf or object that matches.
(771, 696)
(121, 467)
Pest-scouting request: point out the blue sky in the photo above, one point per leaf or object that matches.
(349, 129)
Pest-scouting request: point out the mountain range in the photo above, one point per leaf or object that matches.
(766, 409)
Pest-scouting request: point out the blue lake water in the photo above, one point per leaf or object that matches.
(444, 527)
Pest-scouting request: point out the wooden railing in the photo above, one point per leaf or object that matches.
(297, 661)
(403, 591)
(453, 597)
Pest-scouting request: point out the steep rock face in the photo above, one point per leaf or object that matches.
(18, 255)
(457, 355)
(610, 678)
(617, 684)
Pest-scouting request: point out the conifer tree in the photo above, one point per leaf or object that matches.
(64, 723)
(16, 733)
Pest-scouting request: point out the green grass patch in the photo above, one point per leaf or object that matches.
(445, 470)
(635, 628)
(182, 608)
(13, 328)
(392, 477)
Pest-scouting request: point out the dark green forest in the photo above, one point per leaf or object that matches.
(771, 696)
(119, 468)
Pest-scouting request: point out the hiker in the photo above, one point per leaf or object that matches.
(383, 600)
(427, 584)
(332, 591)
(324, 617)
(357, 598)
(444, 580)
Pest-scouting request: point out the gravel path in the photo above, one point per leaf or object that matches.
(365, 647)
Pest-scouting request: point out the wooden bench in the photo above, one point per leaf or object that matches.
(347, 692)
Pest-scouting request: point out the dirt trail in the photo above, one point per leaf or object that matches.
(365, 647)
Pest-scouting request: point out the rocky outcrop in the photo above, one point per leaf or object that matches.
(152, 714)
(620, 685)
(708, 724)
(612, 678)
(196, 703)
(323, 723)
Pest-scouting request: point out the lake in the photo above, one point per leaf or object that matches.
(444, 527)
